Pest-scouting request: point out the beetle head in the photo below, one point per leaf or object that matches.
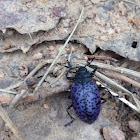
(83, 75)
(82, 70)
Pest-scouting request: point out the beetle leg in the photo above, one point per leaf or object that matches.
(69, 97)
(104, 100)
(95, 68)
(104, 88)
(92, 66)
(89, 62)
(69, 64)
(69, 78)
(70, 68)
(72, 119)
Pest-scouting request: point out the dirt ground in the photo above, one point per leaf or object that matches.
(36, 122)
(32, 34)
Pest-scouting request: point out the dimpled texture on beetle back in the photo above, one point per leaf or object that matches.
(86, 100)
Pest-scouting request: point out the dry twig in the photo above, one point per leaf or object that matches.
(100, 65)
(7, 91)
(121, 99)
(122, 77)
(11, 125)
(48, 70)
(63, 71)
(102, 57)
(12, 104)
(113, 68)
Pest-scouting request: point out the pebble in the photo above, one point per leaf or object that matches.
(23, 70)
(51, 48)
(31, 81)
(113, 133)
(46, 106)
(37, 56)
(59, 12)
(134, 125)
(2, 75)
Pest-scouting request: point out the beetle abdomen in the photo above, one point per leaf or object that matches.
(86, 100)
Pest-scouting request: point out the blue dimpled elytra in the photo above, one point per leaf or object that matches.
(86, 100)
(85, 96)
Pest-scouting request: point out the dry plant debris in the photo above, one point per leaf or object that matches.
(115, 29)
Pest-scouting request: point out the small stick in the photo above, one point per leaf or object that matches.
(110, 67)
(7, 91)
(12, 104)
(100, 65)
(118, 69)
(39, 66)
(102, 57)
(47, 72)
(14, 86)
(113, 83)
(11, 125)
(122, 77)
(121, 98)
(63, 71)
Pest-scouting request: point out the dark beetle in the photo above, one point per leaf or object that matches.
(85, 96)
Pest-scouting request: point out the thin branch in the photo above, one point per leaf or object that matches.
(121, 99)
(7, 91)
(12, 104)
(14, 86)
(102, 57)
(47, 72)
(113, 68)
(11, 125)
(100, 65)
(63, 71)
(122, 77)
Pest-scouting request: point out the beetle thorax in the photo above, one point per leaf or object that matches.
(82, 75)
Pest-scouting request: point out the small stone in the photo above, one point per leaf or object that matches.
(37, 56)
(134, 125)
(113, 133)
(59, 12)
(46, 106)
(23, 70)
(31, 81)
(51, 48)
(2, 75)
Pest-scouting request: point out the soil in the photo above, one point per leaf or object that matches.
(33, 32)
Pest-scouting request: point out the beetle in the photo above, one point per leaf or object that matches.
(85, 97)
